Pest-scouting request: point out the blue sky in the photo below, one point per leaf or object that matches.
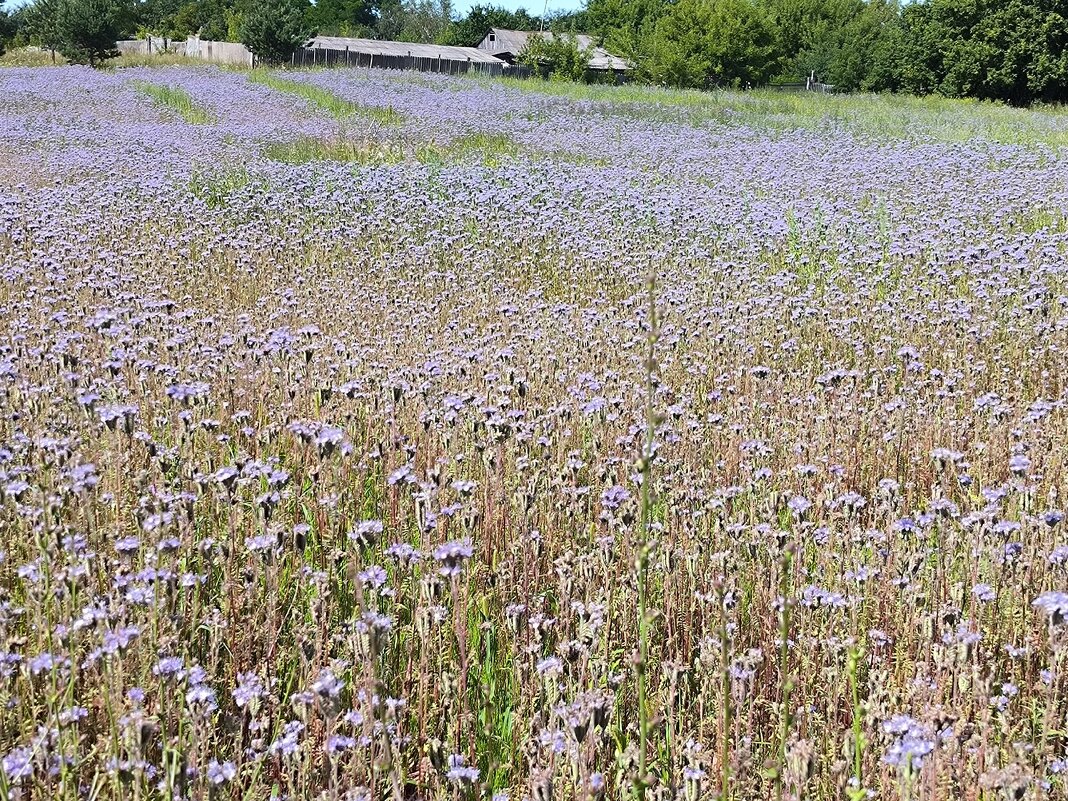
(459, 6)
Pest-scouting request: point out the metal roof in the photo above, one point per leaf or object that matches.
(385, 48)
(513, 42)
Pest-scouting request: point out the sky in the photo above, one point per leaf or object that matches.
(459, 6)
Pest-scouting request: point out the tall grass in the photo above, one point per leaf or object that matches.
(346, 484)
(338, 107)
(490, 150)
(178, 100)
(882, 116)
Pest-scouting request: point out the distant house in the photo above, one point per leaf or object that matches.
(330, 51)
(507, 45)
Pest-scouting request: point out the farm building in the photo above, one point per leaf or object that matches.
(342, 51)
(507, 45)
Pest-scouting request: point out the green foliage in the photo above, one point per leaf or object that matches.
(714, 43)
(273, 29)
(87, 30)
(472, 29)
(157, 18)
(343, 17)
(424, 20)
(627, 28)
(1009, 50)
(7, 29)
(42, 25)
(178, 100)
(338, 107)
(557, 56)
(488, 150)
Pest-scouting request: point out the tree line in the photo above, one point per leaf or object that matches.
(1014, 51)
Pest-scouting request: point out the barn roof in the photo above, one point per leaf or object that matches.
(386, 48)
(513, 42)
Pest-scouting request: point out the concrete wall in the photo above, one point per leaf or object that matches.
(152, 45)
(218, 52)
(193, 47)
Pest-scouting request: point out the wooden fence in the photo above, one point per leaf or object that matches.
(808, 85)
(324, 57)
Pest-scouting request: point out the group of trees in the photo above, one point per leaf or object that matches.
(1010, 50)
(84, 31)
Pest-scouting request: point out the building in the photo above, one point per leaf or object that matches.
(332, 51)
(507, 45)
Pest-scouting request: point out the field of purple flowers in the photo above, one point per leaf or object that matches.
(379, 436)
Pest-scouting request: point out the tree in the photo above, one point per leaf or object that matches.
(157, 17)
(424, 20)
(557, 56)
(714, 43)
(273, 29)
(628, 29)
(7, 29)
(472, 29)
(855, 59)
(87, 30)
(219, 20)
(1008, 50)
(42, 25)
(343, 17)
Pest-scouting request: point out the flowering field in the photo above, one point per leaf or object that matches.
(379, 436)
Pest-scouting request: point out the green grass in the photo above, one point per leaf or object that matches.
(338, 107)
(491, 150)
(309, 149)
(215, 188)
(30, 57)
(883, 116)
(178, 100)
(166, 60)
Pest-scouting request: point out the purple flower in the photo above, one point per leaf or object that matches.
(42, 663)
(1019, 464)
(170, 666)
(249, 689)
(799, 505)
(373, 577)
(614, 497)
(1054, 605)
(221, 773)
(366, 533)
(18, 764)
(327, 685)
(452, 555)
(459, 772)
(128, 545)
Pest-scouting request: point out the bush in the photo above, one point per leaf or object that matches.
(87, 30)
(273, 29)
(714, 43)
(559, 57)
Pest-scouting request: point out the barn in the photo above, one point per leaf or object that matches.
(330, 51)
(507, 45)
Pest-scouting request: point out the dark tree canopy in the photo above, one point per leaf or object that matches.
(469, 30)
(86, 30)
(273, 29)
(7, 28)
(1010, 50)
